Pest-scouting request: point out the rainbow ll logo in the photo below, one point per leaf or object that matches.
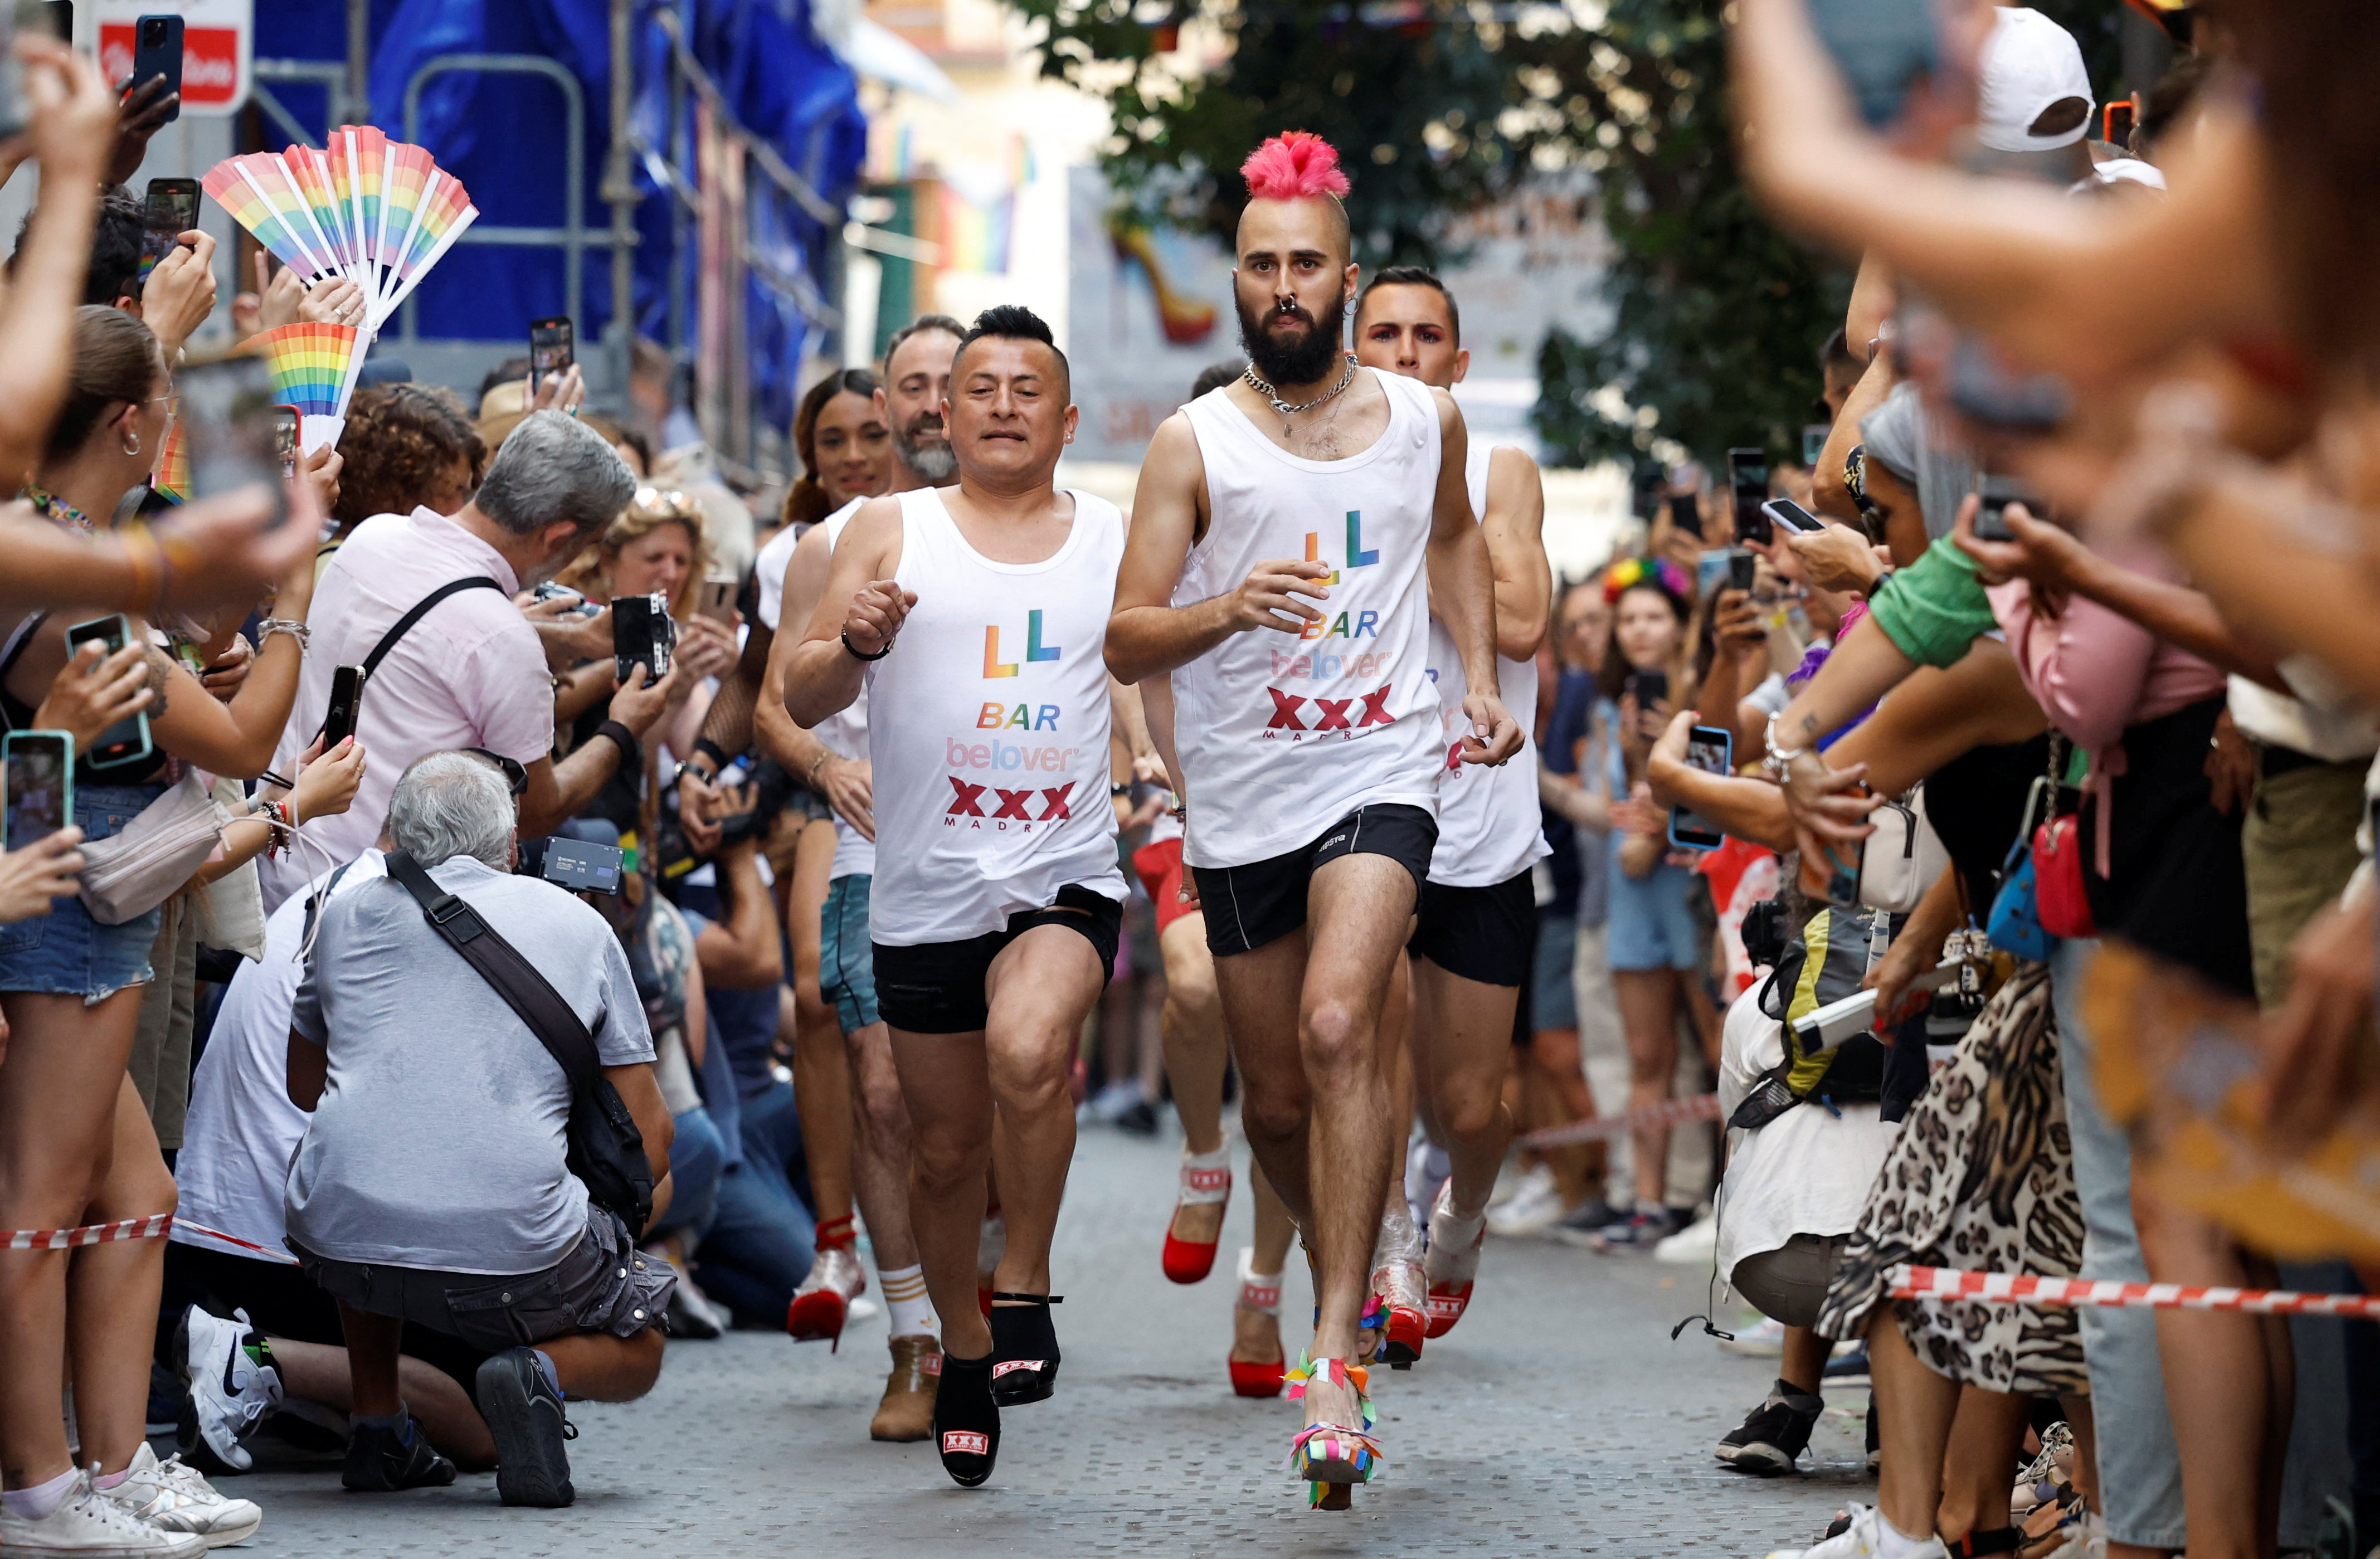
(1356, 556)
(1034, 648)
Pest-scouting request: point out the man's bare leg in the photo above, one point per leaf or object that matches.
(1357, 910)
(1192, 1028)
(1462, 1047)
(879, 1146)
(318, 1372)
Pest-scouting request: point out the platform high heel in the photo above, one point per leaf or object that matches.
(1333, 1458)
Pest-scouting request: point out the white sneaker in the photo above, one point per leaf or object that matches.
(1694, 1245)
(1766, 1340)
(172, 1494)
(226, 1393)
(1863, 1539)
(1533, 1209)
(88, 1525)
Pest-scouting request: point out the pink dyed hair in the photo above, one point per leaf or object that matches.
(1295, 165)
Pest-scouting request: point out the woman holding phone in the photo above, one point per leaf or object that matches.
(1657, 946)
(76, 1145)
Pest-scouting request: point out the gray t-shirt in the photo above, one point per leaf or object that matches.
(439, 1142)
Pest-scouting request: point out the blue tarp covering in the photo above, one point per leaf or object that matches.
(503, 136)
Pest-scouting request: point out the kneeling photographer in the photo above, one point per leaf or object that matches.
(462, 1116)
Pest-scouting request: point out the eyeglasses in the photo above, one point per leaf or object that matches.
(515, 777)
(663, 497)
(173, 399)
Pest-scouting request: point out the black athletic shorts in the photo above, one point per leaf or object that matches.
(1265, 900)
(938, 987)
(1483, 934)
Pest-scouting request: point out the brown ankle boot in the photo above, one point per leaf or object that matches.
(907, 1410)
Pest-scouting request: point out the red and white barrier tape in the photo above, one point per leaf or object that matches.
(1701, 1106)
(1943, 1283)
(156, 1227)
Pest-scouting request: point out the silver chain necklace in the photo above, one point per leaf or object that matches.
(1257, 383)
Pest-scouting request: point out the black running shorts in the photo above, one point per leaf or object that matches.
(937, 987)
(1483, 934)
(1265, 900)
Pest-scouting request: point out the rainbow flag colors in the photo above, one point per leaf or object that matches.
(313, 366)
(367, 209)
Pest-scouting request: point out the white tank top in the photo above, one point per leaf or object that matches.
(1488, 826)
(1281, 737)
(988, 729)
(845, 733)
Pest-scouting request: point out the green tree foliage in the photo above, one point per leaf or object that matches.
(1440, 108)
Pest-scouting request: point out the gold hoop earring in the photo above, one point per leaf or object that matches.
(132, 443)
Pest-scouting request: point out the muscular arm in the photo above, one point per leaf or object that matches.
(1147, 633)
(1462, 578)
(805, 583)
(820, 676)
(1514, 529)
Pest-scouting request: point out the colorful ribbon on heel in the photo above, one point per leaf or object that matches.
(1327, 1453)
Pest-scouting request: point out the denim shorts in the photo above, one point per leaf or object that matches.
(1553, 997)
(846, 958)
(1652, 922)
(68, 953)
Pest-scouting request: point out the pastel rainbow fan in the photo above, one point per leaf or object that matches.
(314, 369)
(367, 210)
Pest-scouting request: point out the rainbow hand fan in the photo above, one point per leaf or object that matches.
(368, 210)
(314, 369)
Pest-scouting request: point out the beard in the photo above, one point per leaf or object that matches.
(1304, 359)
(926, 450)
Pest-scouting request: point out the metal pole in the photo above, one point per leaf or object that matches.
(358, 104)
(620, 190)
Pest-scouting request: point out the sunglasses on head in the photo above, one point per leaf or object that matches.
(515, 777)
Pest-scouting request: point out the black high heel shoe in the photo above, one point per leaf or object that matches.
(966, 1420)
(1024, 1348)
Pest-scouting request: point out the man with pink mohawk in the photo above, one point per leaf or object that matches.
(1289, 536)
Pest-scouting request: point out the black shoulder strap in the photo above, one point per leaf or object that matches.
(420, 610)
(514, 978)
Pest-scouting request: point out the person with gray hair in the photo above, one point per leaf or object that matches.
(462, 665)
(433, 1184)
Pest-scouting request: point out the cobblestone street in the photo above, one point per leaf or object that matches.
(1558, 1419)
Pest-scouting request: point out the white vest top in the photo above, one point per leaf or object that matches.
(1488, 826)
(987, 730)
(844, 733)
(1281, 737)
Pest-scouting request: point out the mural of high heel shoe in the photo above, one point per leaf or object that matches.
(1185, 322)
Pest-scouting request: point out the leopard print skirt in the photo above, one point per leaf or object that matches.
(1982, 1179)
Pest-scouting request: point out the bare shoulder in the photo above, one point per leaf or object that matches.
(1449, 415)
(1173, 449)
(872, 539)
(1516, 489)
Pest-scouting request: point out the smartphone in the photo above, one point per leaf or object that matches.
(716, 601)
(574, 864)
(551, 348)
(57, 16)
(1983, 390)
(1991, 514)
(1685, 513)
(1813, 442)
(40, 783)
(1886, 49)
(233, 426)
(1710, 571)
(1649, 687)
(1712, 750)
(157, 51)
(642, 629)
(1843, 882)
(1747, 479)
(1792, 516)
(288, 424)
(172, 210)
(2116, 125)
(1742, 569)
(126, 742)
(347, 703)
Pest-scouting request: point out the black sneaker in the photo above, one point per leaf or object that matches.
(1772, 1437)
(1582, 1223)
(382, 1460)
(523, 1414)
(966, 1420)
(1851, 1370)
(1024, 1348)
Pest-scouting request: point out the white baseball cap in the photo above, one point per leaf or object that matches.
(2035, 95)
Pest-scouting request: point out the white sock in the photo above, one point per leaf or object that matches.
(1896, 1544)
(36, 1502)
(904, 1295)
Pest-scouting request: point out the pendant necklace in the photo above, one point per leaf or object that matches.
(1257, 382)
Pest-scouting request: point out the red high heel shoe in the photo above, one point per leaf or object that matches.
(1206, 1182)
(822, 1304)
(1265, 1379)
(1453, 1260)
